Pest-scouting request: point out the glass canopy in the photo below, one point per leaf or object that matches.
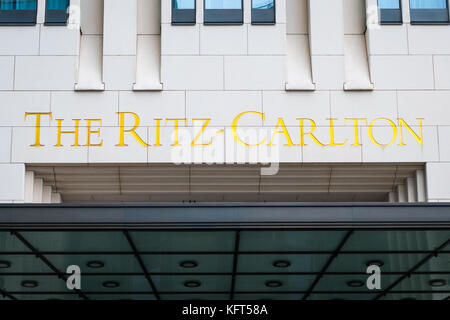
(237, 262)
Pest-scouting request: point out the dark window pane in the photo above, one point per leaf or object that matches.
(183, 12)
(263, 12)
(429, 11)
(223, 12)
(56, 13)
(390, 11)
(18, 12)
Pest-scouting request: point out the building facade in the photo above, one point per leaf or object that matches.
(319, 63)
(203, 101)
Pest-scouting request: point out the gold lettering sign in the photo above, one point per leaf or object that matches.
(307, 131)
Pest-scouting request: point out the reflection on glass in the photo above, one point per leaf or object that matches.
(57, 4)
(428, 4)
(389, 4)
(262, 4)
(18, 4)
(184, 4)
(223, 4)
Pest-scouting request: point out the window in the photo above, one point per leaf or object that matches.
(56, 12)
(390, 11)
(263, 11)
(183, 12)
(429, 11)
(223, 12)
(18, 12)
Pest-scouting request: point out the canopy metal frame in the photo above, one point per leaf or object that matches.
(233, 217)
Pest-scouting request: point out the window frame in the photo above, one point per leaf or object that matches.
(56, 17)
(264, 16)
(391, 16)
(429, 16)
(19, 17)
(184, 17)
(223, 16)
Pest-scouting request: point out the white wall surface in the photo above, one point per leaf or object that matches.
(438, 178)
(12, 182)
